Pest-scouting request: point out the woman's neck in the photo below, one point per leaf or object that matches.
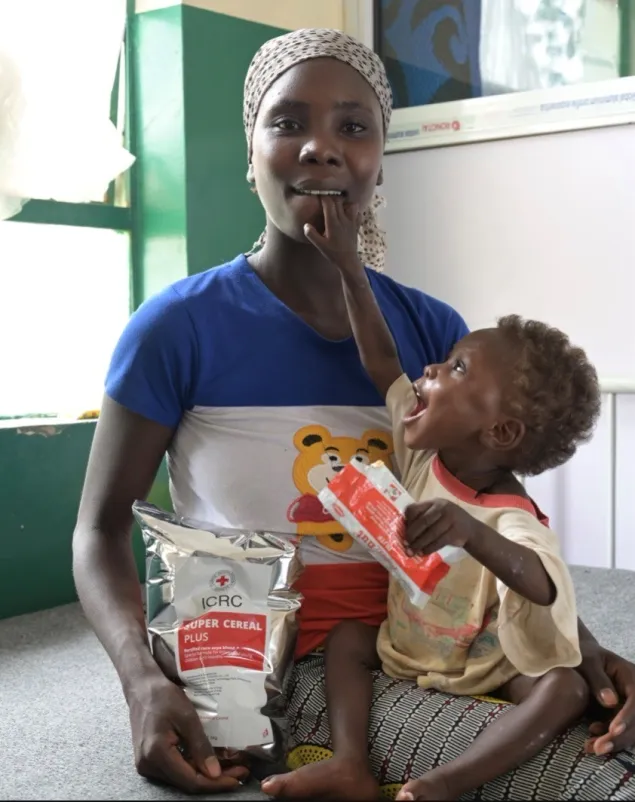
(304, 280)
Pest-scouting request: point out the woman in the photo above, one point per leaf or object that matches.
(248, 377)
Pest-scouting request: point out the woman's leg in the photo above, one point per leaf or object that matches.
(543, 708)
(413, 730)
(350, 657)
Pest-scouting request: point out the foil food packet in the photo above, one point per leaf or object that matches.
(221, 619)
(370, 503)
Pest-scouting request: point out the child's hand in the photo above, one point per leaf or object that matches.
(430, 525)
(339, 241)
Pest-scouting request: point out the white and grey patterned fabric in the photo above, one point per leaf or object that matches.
(413, 730)
(282, 53)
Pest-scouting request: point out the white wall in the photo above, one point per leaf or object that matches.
(544, 227)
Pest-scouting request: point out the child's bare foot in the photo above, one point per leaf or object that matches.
(329, 779)
(432, 786)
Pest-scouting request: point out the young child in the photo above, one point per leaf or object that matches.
(516, 399)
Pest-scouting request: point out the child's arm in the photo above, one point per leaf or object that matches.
(376, 345)
(518, 567)
(430, 525)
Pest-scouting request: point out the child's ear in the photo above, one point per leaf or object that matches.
(504, 435)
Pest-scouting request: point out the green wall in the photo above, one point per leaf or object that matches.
(194, 209)
(224, 216)
(42, 472)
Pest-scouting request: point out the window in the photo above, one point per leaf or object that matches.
(461, 64)
(442, 50)
(64, 301)
(65, 292)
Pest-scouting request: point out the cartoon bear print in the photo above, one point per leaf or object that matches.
(321, 457)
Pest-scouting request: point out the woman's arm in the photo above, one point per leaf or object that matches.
(376, 345)
(126, 453)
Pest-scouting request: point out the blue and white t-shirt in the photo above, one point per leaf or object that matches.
(266, 410)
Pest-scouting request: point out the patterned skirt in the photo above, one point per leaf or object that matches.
(412, 731)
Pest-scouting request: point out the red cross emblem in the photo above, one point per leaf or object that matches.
(222, 580)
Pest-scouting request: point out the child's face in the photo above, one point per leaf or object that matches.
(461, 402)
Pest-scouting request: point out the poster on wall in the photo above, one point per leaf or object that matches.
(472, 70)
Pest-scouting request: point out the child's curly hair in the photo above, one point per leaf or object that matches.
(555, 392)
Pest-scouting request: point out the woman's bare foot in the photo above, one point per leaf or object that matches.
(329, 779)
(432, 786)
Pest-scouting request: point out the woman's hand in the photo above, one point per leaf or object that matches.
(170, 744)
(339, 241)
(612, 682)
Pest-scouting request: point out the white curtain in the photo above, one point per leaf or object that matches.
(58, 61)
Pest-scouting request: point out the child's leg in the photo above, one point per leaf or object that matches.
(351, 654)
(544, 707)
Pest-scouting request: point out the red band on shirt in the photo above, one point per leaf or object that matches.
(339, 592)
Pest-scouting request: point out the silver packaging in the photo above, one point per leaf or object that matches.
(221, 618)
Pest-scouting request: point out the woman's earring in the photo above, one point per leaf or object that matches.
(380, 177)
(251, 178)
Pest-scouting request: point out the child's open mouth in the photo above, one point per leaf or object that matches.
(419, 408)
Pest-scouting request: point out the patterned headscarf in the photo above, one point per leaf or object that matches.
(277, 56)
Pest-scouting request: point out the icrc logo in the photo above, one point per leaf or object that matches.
(222, 580)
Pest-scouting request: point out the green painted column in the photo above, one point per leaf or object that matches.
(626, 12)
(194, 209)
(158, 127)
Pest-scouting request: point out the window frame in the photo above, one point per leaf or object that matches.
(100, 215)
(103, 214)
